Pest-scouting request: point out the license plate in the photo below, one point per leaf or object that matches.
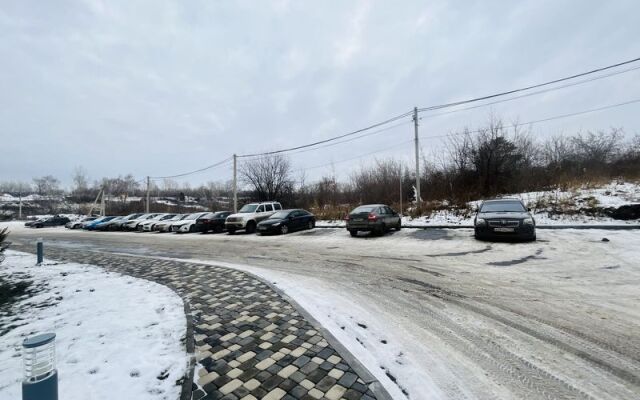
(358, 219)
(262, 228)
(504, 229)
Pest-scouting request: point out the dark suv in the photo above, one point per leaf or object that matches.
(375, 218)
(504, 219)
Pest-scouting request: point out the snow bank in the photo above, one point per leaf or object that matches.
(555, 207)
(118, 337)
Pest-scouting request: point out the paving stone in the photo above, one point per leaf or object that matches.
(325, 383)
(347, 379)
(250, 342)
(275, 394)
(336, 373)
(231, 386)
(335, 393)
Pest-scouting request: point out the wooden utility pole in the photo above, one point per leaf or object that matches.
(235, 183)
(417, 146)
(148, 188)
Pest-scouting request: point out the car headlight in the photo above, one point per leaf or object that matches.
(481, 222)
(277, 224)
(528, 221)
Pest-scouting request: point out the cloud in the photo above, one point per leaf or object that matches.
(166, 87)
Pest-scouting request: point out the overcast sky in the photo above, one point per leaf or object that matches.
(159, 88)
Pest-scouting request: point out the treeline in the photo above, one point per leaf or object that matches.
(492, 160)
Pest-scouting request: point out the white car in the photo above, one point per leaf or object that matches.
(187, 224)
(165, 226)
(148, 225)
(249, 216)
(131, 225)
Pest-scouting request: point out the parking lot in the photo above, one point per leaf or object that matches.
(426, 310)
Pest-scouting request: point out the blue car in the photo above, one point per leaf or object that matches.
(94, 225)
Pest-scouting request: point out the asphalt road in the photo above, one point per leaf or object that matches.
(443, 315)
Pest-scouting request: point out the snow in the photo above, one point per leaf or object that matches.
(114, 334)
(572, 207)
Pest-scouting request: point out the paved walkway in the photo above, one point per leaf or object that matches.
(250, 343)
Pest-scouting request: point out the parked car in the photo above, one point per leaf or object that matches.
(286, 221)
(374, 218)
(91, 226)
(105, 224)
(148, 225)
(56, 220)
(165, 226)
(188, 224)
(77, 224)
(504, 219)
(249, 216)
(117, 224)
(212, 222)
(133, 224)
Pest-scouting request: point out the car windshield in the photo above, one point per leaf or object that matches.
(363, 209)
(177, 217)
(193, 216)
(280, 215)
(503, 206)
(249, 208)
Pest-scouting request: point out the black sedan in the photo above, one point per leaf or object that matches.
(504, 219)
(286, 221)
(212, 222)
(56, 220)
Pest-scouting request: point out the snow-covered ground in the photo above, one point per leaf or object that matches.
(554, 207)
(117, 337)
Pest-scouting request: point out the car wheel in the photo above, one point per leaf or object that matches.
(231, 231)
(284, 229)
(251, 227)
(311, 225)
(353, 233)
(399, 227)
(192, 229)
(218, 229)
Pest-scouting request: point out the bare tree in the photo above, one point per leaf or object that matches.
(80, 181)
(268, 176)
(47, 185)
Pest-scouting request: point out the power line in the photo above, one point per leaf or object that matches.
(555, 117)
(357, 157)
(195, 171)
(491, 96)
(533, 93)
(430, 108)
(352, 138)
(267, 153)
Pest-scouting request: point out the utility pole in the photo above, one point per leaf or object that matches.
(417, 144)
(148, 188)
(400, 189)
(102, 203)
(235, 183)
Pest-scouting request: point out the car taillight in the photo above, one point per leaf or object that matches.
(372, 217)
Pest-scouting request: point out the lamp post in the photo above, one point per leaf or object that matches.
(40, 380)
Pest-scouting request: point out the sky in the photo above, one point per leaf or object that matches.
(164, 87)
